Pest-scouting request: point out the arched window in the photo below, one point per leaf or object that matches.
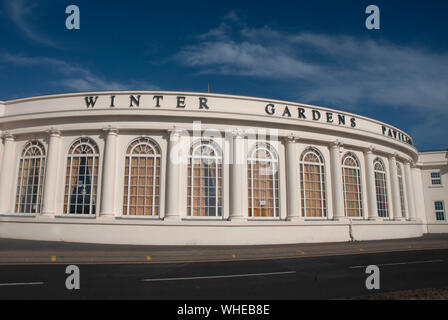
(205, 180)
(312, 172)
(142, 178)
(381, 189)
(263, 181)
(81, 177)
(351, 173)
(30, 178)
(401, 187)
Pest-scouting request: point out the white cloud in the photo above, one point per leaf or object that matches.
(336, 70)
(73, 77)
(20, 12)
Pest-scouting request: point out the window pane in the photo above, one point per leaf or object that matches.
(352, 187)
(141, 180)
(81, 177)
(204, 180)
(312, 172)
(381, 189)
(30, 178)
(263, 181)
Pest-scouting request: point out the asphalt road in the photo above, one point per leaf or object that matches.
(326, 277)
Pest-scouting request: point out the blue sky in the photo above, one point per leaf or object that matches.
(316, 52)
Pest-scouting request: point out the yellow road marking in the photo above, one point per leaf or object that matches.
(221, 260)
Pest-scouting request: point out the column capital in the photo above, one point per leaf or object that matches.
(175, 133)
(393, 156)
(111, 130)
(238, 134)
(370, 149)
(336, 144)
(291, 138)
(54, 132)
(8, 136)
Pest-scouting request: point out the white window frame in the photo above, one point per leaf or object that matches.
(383, 174)
(275, 178)
(41, 177)
(217, 158)
(350, 155)
(85, 141)
(156, 156)
(436, 211)
(322, 181)
(439, 179)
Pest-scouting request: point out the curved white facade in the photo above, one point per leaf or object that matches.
(175, 168)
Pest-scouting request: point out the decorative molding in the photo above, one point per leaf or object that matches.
(111, 130)
(291, 138)
(8, 136)
(54, 132)
(238, 133)
(370, 149)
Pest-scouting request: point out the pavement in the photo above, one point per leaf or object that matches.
(16, 252)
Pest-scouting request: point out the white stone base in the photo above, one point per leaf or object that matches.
(156, 232)
(375, 230)
(437, 227)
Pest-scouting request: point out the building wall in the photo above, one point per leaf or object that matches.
(57, 121)
(435, 161)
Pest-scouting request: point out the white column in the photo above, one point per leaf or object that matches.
(1, 149)
(109, 173)
(238, 168)
(371, 187)
(292, 178)
(410, 191)
(419, 201)
(51, 174)
(6, 174)
(396, 202)
(336, 181)
(173, 183)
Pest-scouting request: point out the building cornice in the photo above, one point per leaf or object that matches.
(190, 94)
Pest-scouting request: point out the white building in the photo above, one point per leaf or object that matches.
(175, 168)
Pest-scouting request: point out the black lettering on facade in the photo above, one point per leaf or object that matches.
(270, 109)
(286, 112)
(341, 119)
(112, 101)
(157, 98)
(135, 100)
(203, 103)
(353, 122)
(90, 101)
(180, 102)
(316, 115)
(395, 134)
(329, 117)
(302, 113)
